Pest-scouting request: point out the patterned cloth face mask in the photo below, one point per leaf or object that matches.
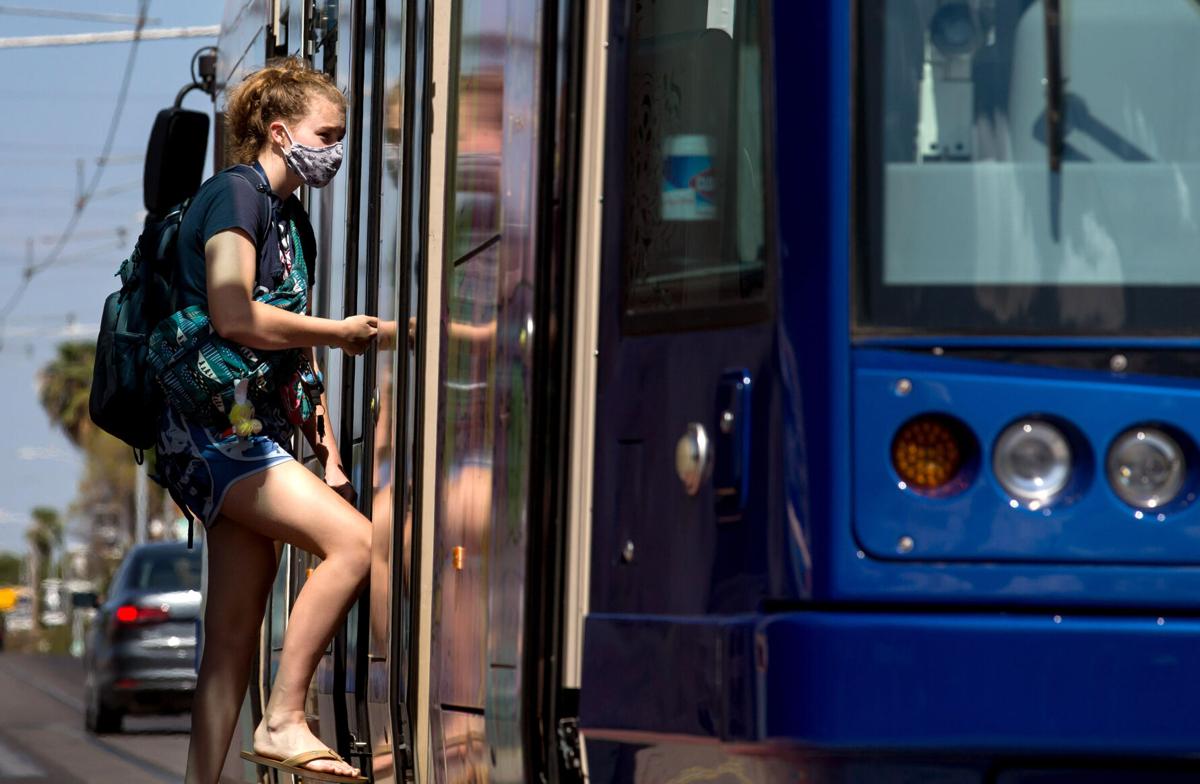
(315, 165)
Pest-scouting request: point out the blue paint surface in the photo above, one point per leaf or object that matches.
(680, 643)
(985, 684)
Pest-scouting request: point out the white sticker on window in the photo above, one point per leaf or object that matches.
(720, 15)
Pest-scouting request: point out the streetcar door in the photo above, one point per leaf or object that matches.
(686, 351)
(392, 282)
(490, 249)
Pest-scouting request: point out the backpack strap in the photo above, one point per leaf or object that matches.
(264, 276)
(187, 513)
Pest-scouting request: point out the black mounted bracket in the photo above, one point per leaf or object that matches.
(204, 75)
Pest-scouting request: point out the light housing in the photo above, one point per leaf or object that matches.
(1146, 467)
(1033, 461)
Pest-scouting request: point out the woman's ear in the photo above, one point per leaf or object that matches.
(276, 134)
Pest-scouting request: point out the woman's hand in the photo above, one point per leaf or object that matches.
(356, 334)
(336, 478)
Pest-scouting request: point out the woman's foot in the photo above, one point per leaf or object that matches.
(280, 738)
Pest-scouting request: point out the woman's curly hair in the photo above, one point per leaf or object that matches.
(281, 90)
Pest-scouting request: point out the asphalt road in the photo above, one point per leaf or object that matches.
(42, 739)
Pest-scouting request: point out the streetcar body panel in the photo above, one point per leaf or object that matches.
(940, 633)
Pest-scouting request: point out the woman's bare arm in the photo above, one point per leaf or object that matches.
(231, 267)
(321, 439)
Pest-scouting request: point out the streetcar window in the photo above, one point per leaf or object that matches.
(694, 232)
(325, 22)
(1028, 167)
(479, 127)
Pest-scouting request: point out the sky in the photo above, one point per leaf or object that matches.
(58, 104)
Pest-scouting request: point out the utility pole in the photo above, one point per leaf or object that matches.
(141, 504)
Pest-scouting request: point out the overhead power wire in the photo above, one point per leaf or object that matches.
(111, 247)
(119, 36)
(82, 16)
(86, 197)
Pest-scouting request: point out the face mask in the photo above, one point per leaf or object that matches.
(315, 165)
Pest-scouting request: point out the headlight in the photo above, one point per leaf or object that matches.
(1032, 461)
(1146, 467)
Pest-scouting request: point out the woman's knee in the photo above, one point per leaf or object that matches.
(354, 549)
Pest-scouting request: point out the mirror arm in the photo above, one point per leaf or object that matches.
(187, 89)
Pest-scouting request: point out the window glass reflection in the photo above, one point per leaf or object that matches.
(694, 181)
(393, 346)
(982, 212)
(479, 118)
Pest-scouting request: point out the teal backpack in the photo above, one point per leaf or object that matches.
(123, 400)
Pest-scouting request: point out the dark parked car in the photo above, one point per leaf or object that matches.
(141, 651)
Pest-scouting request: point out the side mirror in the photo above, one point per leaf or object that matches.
(85, 600)
(174, 159)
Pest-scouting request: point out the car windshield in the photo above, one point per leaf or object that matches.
(1028, 166)
(168, 570)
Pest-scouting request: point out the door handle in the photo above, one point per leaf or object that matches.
(731, 470)
(693, 457)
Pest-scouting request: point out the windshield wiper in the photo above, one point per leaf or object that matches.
(1052, 26)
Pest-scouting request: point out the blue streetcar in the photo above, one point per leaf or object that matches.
(935, 370)
(795, 390)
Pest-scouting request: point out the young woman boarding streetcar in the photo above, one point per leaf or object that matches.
(246, 255)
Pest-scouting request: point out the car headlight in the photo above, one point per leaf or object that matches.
(1032, 461)
(1146, 467)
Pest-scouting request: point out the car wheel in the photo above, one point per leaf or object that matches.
(99, 718)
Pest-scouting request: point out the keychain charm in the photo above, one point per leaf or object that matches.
(241, 416)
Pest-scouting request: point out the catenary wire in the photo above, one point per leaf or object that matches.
(15, 298)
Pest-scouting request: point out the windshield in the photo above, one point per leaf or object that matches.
(1029, 167)
(166, 570)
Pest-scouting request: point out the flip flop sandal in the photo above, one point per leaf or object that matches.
(292, 765)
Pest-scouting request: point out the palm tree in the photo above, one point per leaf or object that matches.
(45, 535)
(64, 386)
(63, 389)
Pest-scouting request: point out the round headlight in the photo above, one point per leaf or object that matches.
(1146, 467)
(1032, 461)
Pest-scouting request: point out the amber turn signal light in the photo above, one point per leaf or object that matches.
(929, 452)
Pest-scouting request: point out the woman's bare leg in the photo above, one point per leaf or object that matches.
(241, 569)
(288, 503)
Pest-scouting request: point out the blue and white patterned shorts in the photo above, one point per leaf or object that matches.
(201, 463)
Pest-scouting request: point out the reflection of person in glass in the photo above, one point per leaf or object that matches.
(385, 436)
(467, 492)
(285, 124)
